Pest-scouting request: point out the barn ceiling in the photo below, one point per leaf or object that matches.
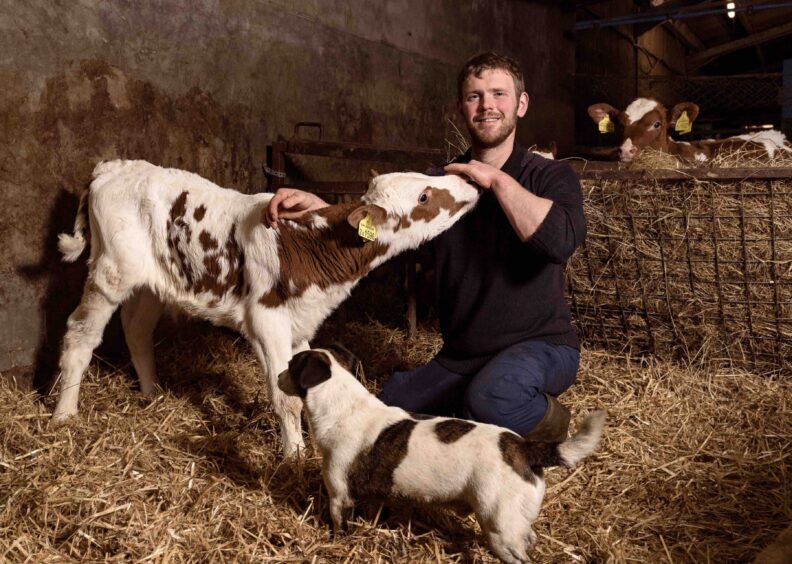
(757, 39)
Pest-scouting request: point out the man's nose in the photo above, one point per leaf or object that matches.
(487, 101)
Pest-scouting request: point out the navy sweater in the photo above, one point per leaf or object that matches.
(493, 289)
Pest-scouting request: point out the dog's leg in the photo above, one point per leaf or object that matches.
(338, 492)
(508, 531)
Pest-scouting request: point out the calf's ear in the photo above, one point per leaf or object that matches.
(310, 368)
(377, 214)
(598, 111)
(689, 107)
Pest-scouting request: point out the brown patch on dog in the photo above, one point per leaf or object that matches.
(371, 473)
(344, 357)
(321, 257)
(527, 458)
(439, 199)
(199, 212)
(451, 430)
(421, 416)
(308, 369)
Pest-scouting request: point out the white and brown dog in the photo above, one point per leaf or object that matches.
(371, 450)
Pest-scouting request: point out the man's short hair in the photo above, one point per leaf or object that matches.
(491, 61)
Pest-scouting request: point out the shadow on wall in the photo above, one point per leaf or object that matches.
(88, 113)
(64, 282)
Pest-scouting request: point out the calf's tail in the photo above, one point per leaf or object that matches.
(72, 246)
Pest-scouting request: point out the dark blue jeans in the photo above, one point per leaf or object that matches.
(508, 391)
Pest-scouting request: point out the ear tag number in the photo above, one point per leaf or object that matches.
(367, 229)
(683, 124)
(606, 125)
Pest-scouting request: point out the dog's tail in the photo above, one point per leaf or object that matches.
(72, 246)
(582, 443)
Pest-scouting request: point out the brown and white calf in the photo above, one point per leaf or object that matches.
(645, 122)
(163, 236)
(370, 450)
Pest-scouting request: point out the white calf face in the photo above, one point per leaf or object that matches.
(415, 206)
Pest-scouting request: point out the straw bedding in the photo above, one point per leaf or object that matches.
(694, 467)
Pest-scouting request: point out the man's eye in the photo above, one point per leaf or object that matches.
(423, 198)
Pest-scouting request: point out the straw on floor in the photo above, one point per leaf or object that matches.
(694, 467)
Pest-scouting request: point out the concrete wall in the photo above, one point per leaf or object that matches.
(206, 86)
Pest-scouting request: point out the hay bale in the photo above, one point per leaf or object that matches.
(694, 270)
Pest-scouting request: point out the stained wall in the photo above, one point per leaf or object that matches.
(206, 86)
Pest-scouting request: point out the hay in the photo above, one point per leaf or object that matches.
(699, 271)
(737, 156)
(742, 157)
(653, 159)
(694, 467)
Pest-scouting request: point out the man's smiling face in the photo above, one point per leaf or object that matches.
(491, 106)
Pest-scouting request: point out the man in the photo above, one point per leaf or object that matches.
(509, 345)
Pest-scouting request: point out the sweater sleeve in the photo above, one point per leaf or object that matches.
(564, 227)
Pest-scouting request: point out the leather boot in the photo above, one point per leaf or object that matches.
(554, 426)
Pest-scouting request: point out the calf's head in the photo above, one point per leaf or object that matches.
(643, 124)
(408, 208)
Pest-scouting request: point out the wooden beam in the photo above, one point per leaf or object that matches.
(685, 35)
(664, 8)
(702, 58)
(747, 24)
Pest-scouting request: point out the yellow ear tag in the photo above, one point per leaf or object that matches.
(683, 124)
(606, 125)
(367, 229)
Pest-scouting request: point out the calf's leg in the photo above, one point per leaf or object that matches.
(139, 316)
(83, 334)
(270, 337)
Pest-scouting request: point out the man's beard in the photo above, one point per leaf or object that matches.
(490, 139)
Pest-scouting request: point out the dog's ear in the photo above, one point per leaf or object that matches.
(344, 357)
(310, 368)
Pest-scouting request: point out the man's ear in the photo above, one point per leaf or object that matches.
(377, 214)
(310, 368)
(599, 111)
(522, 104)
(689, 107)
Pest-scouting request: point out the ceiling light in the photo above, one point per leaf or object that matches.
(730, 7)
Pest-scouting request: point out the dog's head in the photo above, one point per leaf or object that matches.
(306, 370)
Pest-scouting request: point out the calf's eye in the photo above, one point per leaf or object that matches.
(423, 198)
(656, 125)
